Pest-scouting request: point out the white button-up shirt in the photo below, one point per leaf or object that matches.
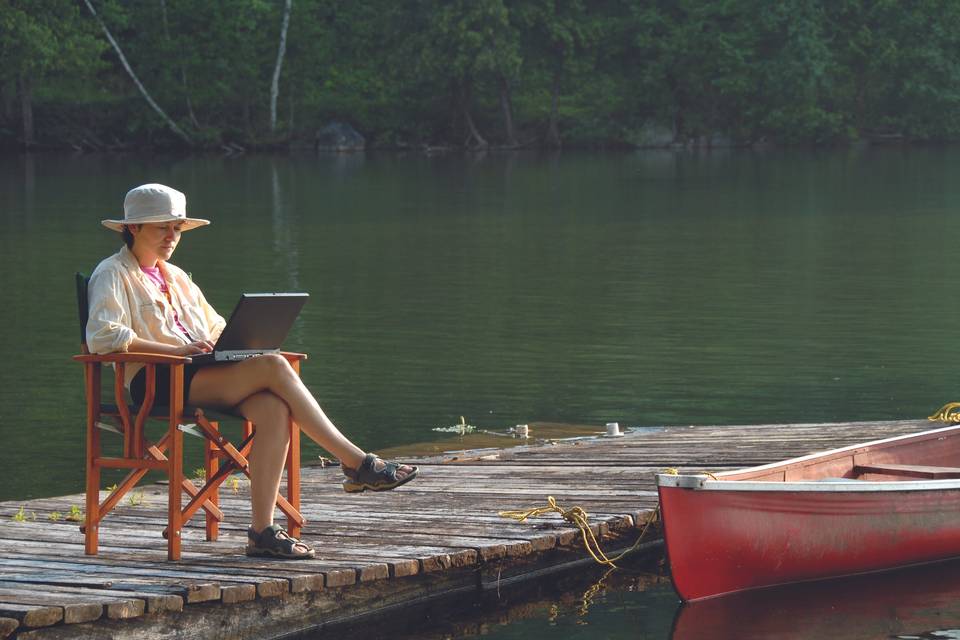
(126, 304)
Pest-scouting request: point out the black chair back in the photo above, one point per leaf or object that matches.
(83, 306)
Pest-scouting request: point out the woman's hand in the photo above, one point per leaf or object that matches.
(194, 348)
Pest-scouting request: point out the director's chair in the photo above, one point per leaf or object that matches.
(221, 457)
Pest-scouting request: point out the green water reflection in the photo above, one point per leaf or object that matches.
(919, 603)
(648, 288)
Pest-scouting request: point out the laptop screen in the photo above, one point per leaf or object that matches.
(260, 321)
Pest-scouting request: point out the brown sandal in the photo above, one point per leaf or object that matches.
(367, 476)
(275, 542)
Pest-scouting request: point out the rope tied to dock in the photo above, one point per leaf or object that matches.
(576, 516)
(671, 471)
(943, 414)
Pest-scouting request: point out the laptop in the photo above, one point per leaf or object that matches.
(259, 324)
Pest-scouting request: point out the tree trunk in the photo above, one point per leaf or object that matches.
(290, 124)
(552, 140)
(146, 96)
(506, 106)
(186, 93)
(465, 93)
(26, 109)
(281, 50)
(183, 73)
(8, 95)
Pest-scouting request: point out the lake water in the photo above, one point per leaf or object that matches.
(921, 603)
(647, 288)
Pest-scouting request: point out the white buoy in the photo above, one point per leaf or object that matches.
(613, 429)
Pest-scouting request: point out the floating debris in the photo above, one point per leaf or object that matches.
(461, 428)
(520, 431)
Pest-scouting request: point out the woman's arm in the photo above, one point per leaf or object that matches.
(108, 323)
(139, 345)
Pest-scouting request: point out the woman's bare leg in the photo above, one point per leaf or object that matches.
(268, 453)
(227, 385)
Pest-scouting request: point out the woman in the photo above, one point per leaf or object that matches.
(139, 302)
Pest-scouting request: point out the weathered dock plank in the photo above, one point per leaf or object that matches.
(8, 626)
(71, 609)
(30, 615)
(439, 537)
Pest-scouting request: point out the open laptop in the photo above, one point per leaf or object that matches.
(259, 324)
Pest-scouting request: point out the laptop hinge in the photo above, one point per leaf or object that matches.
(241, 354)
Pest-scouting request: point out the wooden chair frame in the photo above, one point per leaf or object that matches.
(221, 457)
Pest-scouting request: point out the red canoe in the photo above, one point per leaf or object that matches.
(868, 507)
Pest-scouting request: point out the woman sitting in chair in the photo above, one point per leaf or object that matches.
(139, 302)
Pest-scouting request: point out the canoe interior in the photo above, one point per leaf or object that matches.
(929, 455)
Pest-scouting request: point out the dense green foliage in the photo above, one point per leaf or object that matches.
(472, 73)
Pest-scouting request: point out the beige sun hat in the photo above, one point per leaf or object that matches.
(152, 203)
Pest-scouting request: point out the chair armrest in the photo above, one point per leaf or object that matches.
(292, 356)
(129, 356)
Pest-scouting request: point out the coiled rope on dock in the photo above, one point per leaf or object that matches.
(577, 516)
(947, 414)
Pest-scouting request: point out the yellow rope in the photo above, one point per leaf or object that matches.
(653, 518)
(586, 600)
(574, 515)
(577, 516)
(671, 471)
(943, 414)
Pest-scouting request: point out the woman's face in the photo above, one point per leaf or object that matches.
(156, 241)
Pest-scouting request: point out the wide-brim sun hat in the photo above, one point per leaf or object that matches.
(155, 203)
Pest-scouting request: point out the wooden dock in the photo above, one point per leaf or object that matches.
(439, 537)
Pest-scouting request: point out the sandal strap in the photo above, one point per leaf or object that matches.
(273, 537)
(367, 471)
(366, 466)
(390, 469)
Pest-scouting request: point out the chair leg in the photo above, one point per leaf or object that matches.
(92, 518)
(156, 451)
(294, 517)
(233, 459)
(174, 520)
(294, 526)
(211, 463)
(175, 466)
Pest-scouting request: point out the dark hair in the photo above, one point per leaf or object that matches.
(127, 236)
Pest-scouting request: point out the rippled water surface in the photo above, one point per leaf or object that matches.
(921, 603)
(647, 288)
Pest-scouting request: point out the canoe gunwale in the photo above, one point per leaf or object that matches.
(729, 480)
(705, 483)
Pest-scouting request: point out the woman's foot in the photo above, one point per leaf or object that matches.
(275, 542)
(377, 475)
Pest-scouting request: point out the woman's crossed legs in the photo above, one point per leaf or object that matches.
(268, 392)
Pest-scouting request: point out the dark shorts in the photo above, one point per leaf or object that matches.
(138, 386)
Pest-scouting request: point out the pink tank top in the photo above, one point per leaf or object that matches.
(157, 277)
